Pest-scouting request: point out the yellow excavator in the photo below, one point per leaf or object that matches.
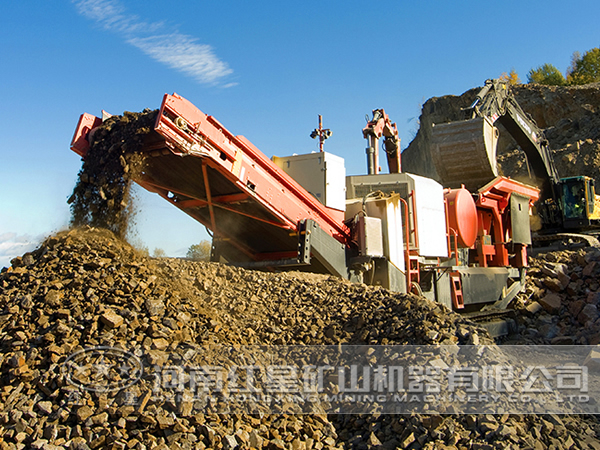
(466, 150)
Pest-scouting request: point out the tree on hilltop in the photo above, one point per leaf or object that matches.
(584, 69)
(546, 74)
(512, 77)
(159, 253)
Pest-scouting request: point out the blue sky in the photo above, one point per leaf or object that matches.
(264, 69)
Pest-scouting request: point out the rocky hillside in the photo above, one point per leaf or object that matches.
(570, 117)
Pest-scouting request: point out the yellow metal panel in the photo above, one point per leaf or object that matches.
(596, 214)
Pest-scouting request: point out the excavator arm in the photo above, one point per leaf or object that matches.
(474, 140)
(381, 126)
(495, 102)
(531, 140)
(466, 150)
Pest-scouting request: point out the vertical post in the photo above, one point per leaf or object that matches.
(211, 211)
(321, 138)
(321, 133)
(372, 154)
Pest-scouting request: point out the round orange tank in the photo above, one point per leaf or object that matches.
(462, 215)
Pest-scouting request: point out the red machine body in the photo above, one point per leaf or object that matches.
(495, 228)
(462, 216)
(223, 181)
(493, 225)
(483, 221)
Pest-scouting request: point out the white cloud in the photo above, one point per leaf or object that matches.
(177, 51)
(183, 53)
(107, 12)
(12, 245)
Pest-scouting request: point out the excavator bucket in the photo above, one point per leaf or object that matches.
(464, 153)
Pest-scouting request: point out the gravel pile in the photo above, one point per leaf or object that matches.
(85, 288)
(560, 302)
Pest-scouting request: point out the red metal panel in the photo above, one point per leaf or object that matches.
(456, 290)
(492, 203)
(79, 143)
(505, 186)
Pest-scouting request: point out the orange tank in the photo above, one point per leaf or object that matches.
(462, 215)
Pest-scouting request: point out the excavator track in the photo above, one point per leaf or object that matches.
(498, 323)
(562, 241)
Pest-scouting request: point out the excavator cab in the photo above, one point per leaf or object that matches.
(579, 202)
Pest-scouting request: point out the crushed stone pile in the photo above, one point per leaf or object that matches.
(560, 303)
(86, 288)
(568, 115)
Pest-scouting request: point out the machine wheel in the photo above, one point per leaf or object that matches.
(416, 289)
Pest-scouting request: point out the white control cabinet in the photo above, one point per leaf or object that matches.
(322, 174)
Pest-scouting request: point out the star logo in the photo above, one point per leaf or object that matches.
(102, 369)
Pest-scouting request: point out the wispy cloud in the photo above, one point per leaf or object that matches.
(183, 53)
(12, 244)
(177, 51)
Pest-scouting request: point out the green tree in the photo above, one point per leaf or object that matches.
(200, 251)
(546, 74)
(138, 246)
(584, 69)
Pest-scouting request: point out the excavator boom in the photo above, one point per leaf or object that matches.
(466, 150)
(381, 126)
